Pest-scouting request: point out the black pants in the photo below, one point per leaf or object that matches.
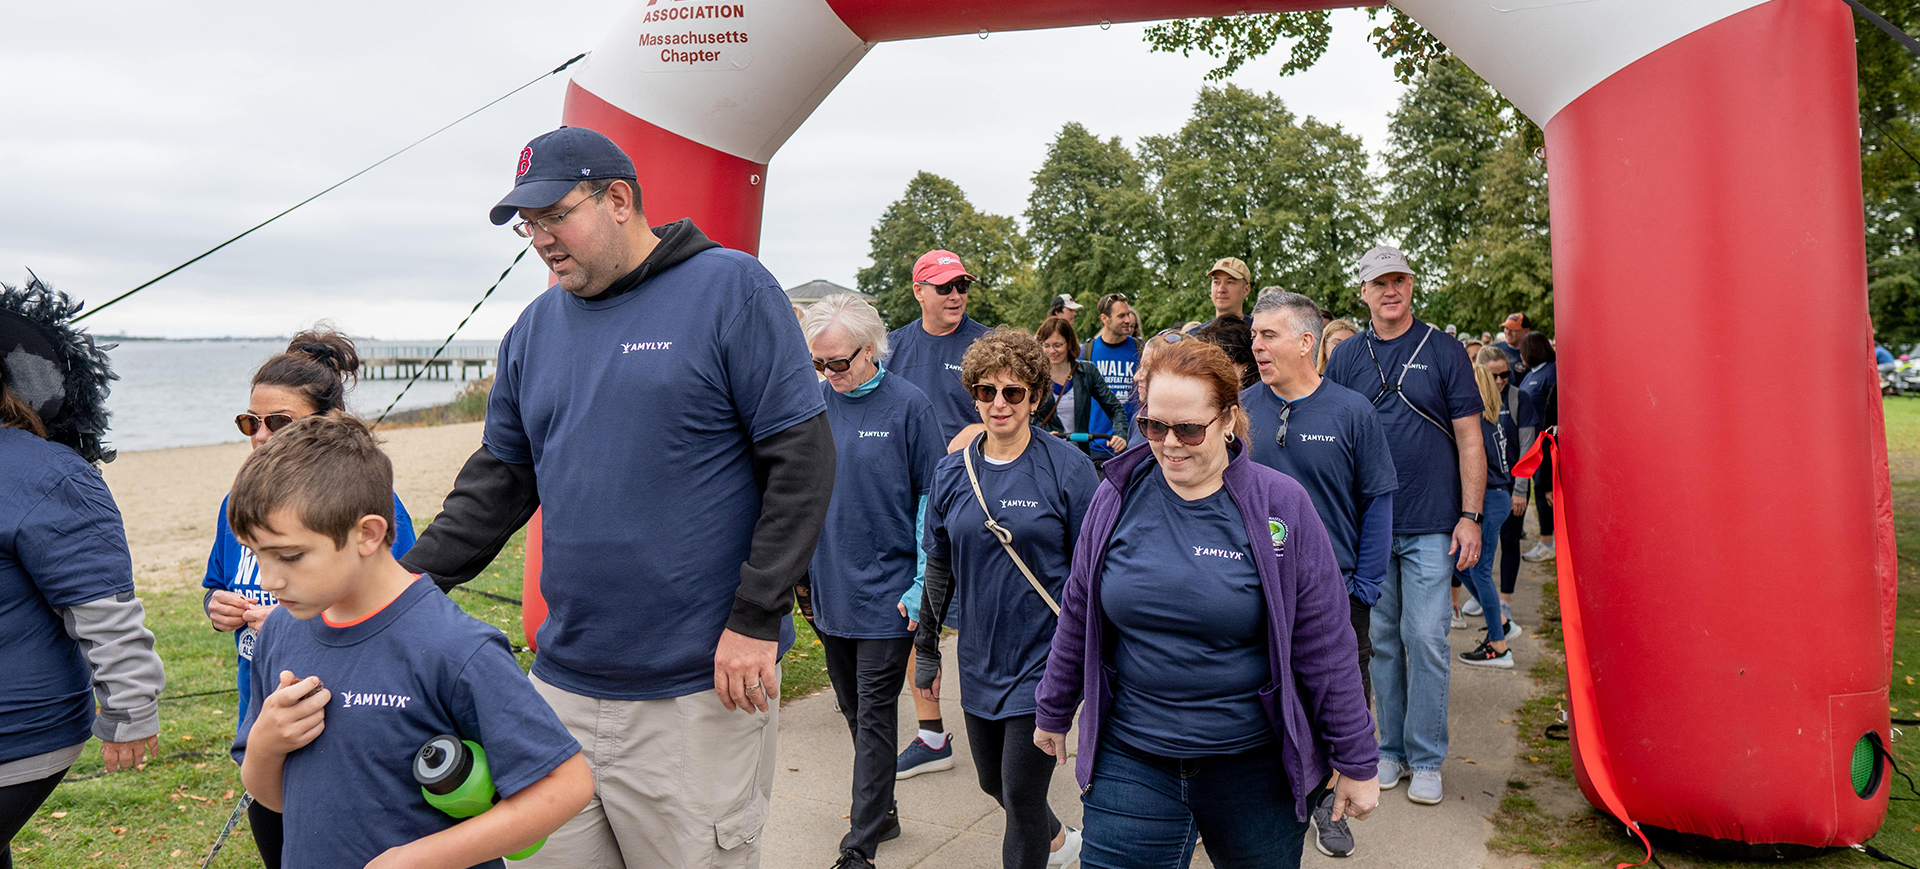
(867, 677)
(18, 803)
(1016, 773)
(267, 834)
(1543, 484)
(1510, 532)
(1362, 616)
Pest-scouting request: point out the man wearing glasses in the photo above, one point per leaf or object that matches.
(1116, 354)
(927, 351)
(1328, 439)
(658, 406)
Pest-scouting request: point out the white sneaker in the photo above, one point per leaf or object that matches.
(1459, 623)
(1472, 608)
(1425, 787)
(1068, 853)
(1390, 772)
(1542, 551)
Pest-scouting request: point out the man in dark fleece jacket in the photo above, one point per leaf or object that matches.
(659, 405)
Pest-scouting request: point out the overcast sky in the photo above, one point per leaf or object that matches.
(139, 135)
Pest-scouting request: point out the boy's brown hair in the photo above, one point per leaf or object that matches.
(327, 467)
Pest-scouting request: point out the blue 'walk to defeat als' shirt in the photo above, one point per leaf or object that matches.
(61, 545)
(1041, 497)
(1116, 365)
(1335, 450)
(232, 567)
(932, 362)
(416, 669)
(639, 414)
(1439, 381)
(887, 443)
(1190, 623)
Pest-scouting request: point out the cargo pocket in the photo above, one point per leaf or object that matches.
(742, 825)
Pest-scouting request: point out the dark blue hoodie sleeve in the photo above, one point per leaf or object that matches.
(1376, 545)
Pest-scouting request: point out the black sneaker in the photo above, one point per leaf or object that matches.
(852, 859)
(1331, 837)
(1483, 655)
(1509, 628)
(890, 829)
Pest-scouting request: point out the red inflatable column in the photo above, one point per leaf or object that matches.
(1718, 449)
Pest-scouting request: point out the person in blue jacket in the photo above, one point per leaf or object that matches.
(1540, 384)
(310, 377)
(887, 441)
(1501, 434)
(1000, 527)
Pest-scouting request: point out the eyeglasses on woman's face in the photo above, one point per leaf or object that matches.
(251, 423)
(1189, 433)
(984, 393)
(837, 366)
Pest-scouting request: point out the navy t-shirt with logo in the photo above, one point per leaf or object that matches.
(416, 669)
(639, 414)
(1335, 450)
(932, 362)
(1116, 365)
(1041, 497)
(1190, 624)
(887, 443)
(1439, 381)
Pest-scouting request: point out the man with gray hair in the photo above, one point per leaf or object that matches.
(1328, 439)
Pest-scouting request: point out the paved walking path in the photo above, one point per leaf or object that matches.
(949, 824)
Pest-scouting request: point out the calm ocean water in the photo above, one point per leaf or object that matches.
(181, 393)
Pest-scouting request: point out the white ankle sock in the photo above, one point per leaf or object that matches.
(935, 741)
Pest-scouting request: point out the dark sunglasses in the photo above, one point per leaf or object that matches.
(1501, 375)
(984, 393)
(249, 423)
(1171, 336)
(1189, 433)
(1280, 437)
(836, 366)
(957, 285)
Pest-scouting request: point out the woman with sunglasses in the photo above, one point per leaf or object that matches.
(1502, 437)
(887, 442)
(310, 377)
(1000, 526)
(1193, 560)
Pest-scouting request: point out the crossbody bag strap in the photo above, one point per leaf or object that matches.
(999, 532)
(1404, 368)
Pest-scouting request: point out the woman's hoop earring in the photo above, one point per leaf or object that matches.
(1229, 437)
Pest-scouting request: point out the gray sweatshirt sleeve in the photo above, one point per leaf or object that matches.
(127, 675)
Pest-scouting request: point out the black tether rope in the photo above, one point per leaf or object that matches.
(164, 275)
(499, 597)
(1912, 44)
(456, 330)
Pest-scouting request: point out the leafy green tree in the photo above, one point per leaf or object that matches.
(1890, 172)
(1236, 39)
(1090, 220)
(1242, 178)
(1505, 263)
(1438, 139)
(932, 214)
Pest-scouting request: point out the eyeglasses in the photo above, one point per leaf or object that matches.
(1280, 437)
(984, 392)
(1189, 433)
(957, 285)
(525, 228)
(1171, 336)
(1502, 375)
(835, 365)
(250, 423)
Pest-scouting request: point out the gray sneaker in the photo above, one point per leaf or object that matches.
(1390, 772)
(1330, 836)
(1425, 787)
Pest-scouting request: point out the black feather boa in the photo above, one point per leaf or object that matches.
(82, 420)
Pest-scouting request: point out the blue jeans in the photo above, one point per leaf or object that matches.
(1479, 578)
(1410, 654)
(1143, 810)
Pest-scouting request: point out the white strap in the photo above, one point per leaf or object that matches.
(1000, 533)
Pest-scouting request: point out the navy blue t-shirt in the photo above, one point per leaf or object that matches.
(887, 443)
(932, 362)
(639, 414)
(416, 669)
(232, 567)
(1190, 624)
(1116, 366)
(1537, 388)
(1041, 497)
(1439, 382)
(1335, 450)
(61, 545)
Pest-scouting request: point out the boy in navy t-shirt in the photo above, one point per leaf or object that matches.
(342, 703)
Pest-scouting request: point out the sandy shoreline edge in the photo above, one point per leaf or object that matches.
(170, 498)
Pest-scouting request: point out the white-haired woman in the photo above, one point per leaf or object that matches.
(887, 442)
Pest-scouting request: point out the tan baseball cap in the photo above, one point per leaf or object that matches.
(1382, 260)
(1233, 267)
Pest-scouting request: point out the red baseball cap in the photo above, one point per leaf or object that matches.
(939, 267)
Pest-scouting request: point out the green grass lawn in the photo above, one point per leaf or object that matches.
(1585, 837)
(167, 812)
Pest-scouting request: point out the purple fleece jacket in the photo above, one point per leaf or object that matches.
(1315, 702)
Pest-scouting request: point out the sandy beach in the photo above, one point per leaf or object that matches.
(171, 498)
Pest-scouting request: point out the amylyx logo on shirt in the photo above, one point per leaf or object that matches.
(626, 348)
(1008, 504)
(876, 434)
(1310, 438)
(952, 367)
(1208, 551)
(350, 699)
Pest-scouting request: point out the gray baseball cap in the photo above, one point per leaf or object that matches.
(1381, 261)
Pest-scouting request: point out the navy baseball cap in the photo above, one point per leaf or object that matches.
(553, 163)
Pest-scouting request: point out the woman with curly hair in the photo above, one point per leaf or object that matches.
(1001, 521)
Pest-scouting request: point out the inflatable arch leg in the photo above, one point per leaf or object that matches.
(1735, 549)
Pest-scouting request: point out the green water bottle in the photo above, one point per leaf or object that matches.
(454, 778)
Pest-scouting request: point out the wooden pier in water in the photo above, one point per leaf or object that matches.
(400, 360)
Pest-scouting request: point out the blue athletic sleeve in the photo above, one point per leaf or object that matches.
(403, 536)
(73, 545)
(768, 367)
(1463, 394)
(219, 572)
(494, 704)
(911, 600)
(1376, 545)
(504, 435)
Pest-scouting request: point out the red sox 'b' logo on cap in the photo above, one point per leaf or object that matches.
(526, 161)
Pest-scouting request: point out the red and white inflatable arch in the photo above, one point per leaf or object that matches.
(1736, 575)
